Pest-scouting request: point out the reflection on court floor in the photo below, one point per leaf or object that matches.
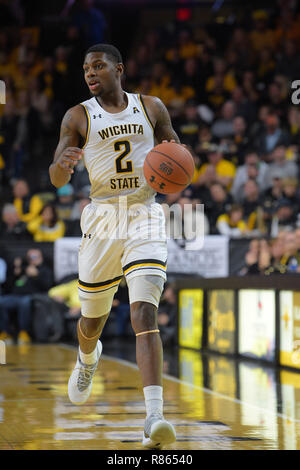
(214, 404)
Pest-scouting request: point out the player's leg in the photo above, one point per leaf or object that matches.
(149, 351)
(100, 273)
(89, 329)
(144, 294)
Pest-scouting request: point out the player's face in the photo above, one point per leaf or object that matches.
(101, 74)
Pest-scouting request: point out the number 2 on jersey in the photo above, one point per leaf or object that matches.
(120, 165)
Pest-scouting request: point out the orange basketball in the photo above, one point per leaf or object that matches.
(169, 168)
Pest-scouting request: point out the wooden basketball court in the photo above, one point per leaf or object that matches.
(36, 414)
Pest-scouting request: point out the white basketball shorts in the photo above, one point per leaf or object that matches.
(120, 241)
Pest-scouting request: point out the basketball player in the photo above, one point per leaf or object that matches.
(113, 132)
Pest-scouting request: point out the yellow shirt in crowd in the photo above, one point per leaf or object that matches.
(42, 233)
(224, 169)
(35, 207)
(67, 291)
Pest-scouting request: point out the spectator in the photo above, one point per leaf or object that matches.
(284, 217)
(12, 228)
(251, 262)
(240, 140)
(9, 125)
(167, 315)
(28, 133)
(188, 126)
(271, 137)
(270, 199)
(294, 127)
(289, 62)
(223, 127)
(217, 169)
(47, 227)
(73, 228)
(280, 166)
(191, 76)
(244, 107)
(232, 223)
(132, 75)
(42, 104)
(291, 192)
(28, 277)
(218, 95)
(65, 202)
(272, 258)
(66, 294)
(249, 86)
(250, 199)
(261, 36)
(221, 77)
(80, 179)
(240, 43)
(28, 206)
(218, 203)
(266, 65)
(253, 168)
(291, 255)
(160, 82)
(186, 44)
(277, 99)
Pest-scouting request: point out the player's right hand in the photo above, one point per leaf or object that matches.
(69, 158)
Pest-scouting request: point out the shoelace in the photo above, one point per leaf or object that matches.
(85, 376)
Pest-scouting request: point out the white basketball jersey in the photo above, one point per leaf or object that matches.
(115, 149)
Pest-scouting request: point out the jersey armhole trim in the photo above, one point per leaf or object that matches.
(145, 112)
(88, 125)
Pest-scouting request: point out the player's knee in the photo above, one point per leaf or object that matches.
(143, 316)
(90, 326)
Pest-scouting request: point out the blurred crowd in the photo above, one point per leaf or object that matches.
(230, 100)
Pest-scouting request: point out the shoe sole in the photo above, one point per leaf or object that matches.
(162, 433)
(99, 347)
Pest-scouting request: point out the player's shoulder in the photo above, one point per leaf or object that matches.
(149, 99)
(76, 111)
(73, 118)
(154, 104)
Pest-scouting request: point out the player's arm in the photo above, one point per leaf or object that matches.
(160, 118)
(67, 153)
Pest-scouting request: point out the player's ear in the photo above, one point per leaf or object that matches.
(120, 69)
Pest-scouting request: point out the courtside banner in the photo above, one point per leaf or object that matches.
(290, 328)
(257, 323)
(211, 260)
(66, 257)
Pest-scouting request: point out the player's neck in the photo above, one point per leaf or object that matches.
(114, 101)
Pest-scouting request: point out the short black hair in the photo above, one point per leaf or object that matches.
(108, 49)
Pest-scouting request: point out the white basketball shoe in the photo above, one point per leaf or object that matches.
(81, 380)
(158, 432)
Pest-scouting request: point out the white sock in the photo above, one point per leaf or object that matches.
(153, 399)
(89, 358)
